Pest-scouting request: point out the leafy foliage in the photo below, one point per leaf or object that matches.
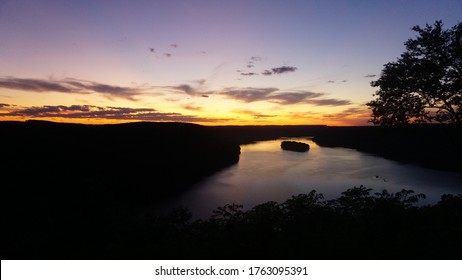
(425, 84)
(357, 225)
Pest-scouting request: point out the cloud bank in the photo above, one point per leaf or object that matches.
(72, 86)
(193, 89)
(249, 95)
(98, 112)
(274, 95)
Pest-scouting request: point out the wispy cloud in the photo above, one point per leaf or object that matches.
(191, 90)
(274, 95)
(370, 76)
(253, 60)
(193, 108)
(249, 95)
(329, 102)
(255, 115)
(168, 55)
(74, 86)
(98, 112)
(200, 82)
(279, 70)
(361, 113)
(267, 73)
(256, 58)
(356, 110)
(284, 69)
(174, 46)
(188, 89)
(287, 98)
(338, 82)
(248, 74)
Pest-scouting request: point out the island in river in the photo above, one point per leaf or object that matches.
(295, 146)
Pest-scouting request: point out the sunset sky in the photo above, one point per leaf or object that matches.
(208, 62)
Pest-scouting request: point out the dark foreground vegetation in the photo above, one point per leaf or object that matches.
(89, 192)
(357, 225)
(70, 190)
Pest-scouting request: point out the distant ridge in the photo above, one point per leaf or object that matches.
(71, 189)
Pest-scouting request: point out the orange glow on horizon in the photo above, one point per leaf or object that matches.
(212, 122)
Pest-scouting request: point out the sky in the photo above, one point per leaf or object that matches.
(211, 62)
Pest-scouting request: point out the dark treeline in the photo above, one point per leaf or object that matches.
(250, 134)
(70, 190)
(86, 192)
(135, 154)
(434, 146)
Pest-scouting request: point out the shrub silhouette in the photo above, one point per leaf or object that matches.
(357, 225)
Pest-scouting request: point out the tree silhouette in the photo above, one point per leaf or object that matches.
(425, 84)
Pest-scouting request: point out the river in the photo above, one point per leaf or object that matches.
(266, 172)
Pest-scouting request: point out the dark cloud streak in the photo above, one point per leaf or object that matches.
(191, 90)
(248, 74)
(255, 115)
(284, 69)
(329, 102)
(69, 86)
(279, 70)
(186, 89)
(250, 95)
(287, 98)
(274, 95)
(98, 112)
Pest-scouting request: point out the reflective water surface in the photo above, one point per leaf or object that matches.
(266, 172)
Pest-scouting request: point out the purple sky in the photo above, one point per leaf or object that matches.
(220, 61)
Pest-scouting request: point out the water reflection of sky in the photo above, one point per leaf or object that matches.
(265, 172)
